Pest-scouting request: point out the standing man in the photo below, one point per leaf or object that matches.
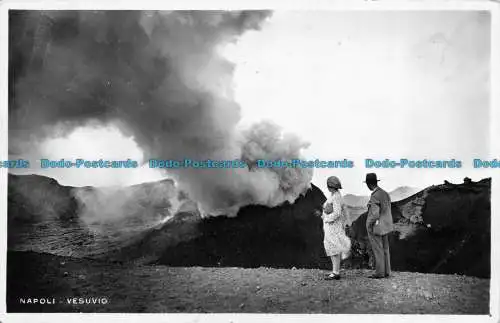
(379, 225)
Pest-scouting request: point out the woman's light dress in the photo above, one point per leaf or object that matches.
(336, 241)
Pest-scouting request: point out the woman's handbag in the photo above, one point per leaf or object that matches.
(376, 228)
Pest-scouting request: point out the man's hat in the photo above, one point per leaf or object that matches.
(371, 178)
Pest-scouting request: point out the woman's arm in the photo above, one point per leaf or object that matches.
(336, 209)
(328, 208)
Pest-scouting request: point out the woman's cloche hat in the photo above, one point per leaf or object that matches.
(334, 182)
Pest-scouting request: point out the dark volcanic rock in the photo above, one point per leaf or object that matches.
(44, 216)
(442, 229)
(36, 204)
(34, 198)
(286, 236)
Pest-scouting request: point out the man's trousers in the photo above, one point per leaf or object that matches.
(380, 247)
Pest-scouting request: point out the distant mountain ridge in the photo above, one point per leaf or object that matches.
(356, 200)
(396, 195)
(403, 192)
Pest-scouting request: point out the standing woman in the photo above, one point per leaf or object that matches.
(337, 243)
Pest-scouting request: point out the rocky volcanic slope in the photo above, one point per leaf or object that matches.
(44, 216)
(442, 229)
(285, 236)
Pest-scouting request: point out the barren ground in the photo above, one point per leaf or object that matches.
(215, 290)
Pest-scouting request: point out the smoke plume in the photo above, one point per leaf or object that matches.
(112, 209)
(160, 78)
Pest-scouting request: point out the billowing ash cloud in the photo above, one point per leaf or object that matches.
(160, 78)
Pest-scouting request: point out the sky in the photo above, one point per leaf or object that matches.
(354, 85)
(375, 85)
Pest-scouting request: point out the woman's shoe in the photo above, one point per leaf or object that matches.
(332, 276)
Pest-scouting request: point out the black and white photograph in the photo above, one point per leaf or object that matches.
(249, 161)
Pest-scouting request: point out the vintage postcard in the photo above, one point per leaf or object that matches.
(283, 162)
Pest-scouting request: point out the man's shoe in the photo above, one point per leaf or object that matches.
(387, 275)
(375, 276)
